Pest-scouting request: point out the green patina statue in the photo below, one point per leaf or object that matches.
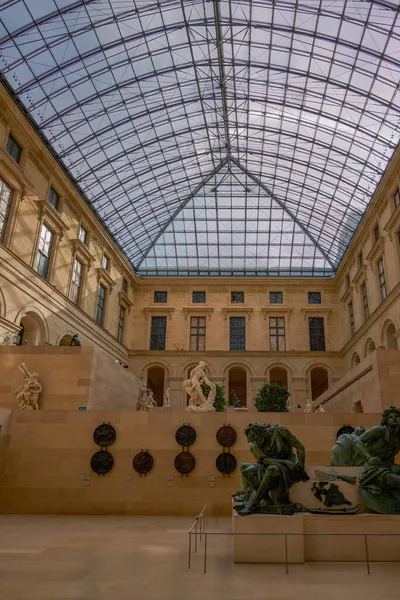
(375, 450)
(266, 484)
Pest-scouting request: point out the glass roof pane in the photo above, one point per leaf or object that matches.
(221, 136)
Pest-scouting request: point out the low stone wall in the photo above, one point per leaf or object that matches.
(47, 461)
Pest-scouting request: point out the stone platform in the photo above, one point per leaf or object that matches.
(316, 538)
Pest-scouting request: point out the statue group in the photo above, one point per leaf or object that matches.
(280, 462)
(198, 402)
(28, 393)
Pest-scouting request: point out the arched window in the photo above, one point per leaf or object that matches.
(369, 347)
(32, 331)
(237, 382)
(155, 382)
(319, 382)
(278, 375)
(390, 340)
(355, 360)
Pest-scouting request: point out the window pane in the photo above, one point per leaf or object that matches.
(158, 332)
(237, 333)
(314, 297)
(197, 333)
(105, 263)
(54, 198)
(44, 251)
(160, 297)
(397, 198)
(82, 235)
(13, 149)
(198, 297)
(317, 334)
(76, 281)
(5, 201)
(277, 334)
(121, 323)
(101, 300)
(276, 297)
(125, 286)
(237, 297)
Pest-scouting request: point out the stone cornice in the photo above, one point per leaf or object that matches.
(159, 310)
(124, 299)
(377, 250)
(360, 276)
(82, 251)
(348, 294)
(238, 311)
(52, 216)
(197, 311)
(103, 275)
(276, 310)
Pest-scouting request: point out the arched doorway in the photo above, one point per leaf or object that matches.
(155, 382)
(65, 340)
(390, 340)
(369, 347)
(32, 331)
(278, 375)
(319, 382)
(237, 384)
(355, 360)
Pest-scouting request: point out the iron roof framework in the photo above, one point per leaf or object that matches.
(214, 137)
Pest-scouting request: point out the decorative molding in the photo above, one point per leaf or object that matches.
(159, 311)
(48, 212)
(377, 250)
(125, 300)
(271, 312)
(9, 325)
(79, 248)
(200, 311)
(316, 310)
(393, 223)
(348, 294)
(35, 158)
(360, 277)
(103, 275)
(14, 173)
(238, 311)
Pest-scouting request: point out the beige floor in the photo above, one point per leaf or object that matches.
(145, 558)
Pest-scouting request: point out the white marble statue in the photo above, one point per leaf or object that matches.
(197, 400)
(167, 398)
(146, 398)
(320, 409)
(28, 393)
(309, 406)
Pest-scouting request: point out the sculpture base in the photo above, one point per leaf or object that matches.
(250, 546)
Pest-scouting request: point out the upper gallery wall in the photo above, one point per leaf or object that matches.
(214, 136)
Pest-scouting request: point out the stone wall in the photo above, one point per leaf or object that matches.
(47, 464)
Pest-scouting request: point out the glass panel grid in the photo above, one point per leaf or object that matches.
(237, 333)
(160, 297)
(76, 281)
(277, 334)
(198, 297)
(44, 251)
(314, 297)
(276, 297)
(215, 137)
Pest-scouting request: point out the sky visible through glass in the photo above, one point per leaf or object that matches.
(215, 137)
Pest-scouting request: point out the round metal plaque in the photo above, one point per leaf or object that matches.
(226, 463)
(104, 435)
(185, 436)
(226, 436)
(143, 462)
(102, 462)
(344, 429)
(184, 463)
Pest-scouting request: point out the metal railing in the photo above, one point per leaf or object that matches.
(199, 530)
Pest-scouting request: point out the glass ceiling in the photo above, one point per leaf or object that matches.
(214, 137)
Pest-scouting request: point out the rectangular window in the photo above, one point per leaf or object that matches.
(44, 251)
(158, 333)
(382, 279)
(83, 235)
(5, 201)
(277, 334)
(360, 259)
(397, 198)
(237, 297)
(76, 281)
(317, 334)
(101, 305)
(160, 297)
(121, 323)
(276, 297)
(105, 263)
(237, 333)
(347, 281)
(54, 198)
(351, 318)
(13, 149)
(376, 233)
(197, 333)
(198, 297)
(125, 286)
(314, 297)
(365, 300)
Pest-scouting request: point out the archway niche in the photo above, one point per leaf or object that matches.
(391, 341)
(279, 375)
(355, 360)
(65, 340)
(237, 382)
(32, 330)
(155, 382)
(319, 381)
(369, 347)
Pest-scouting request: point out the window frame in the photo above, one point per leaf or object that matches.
(125, 286)
(382, 279)
(274, 334)
(276, 295)
(364, 299)
(77, 300)
(153, 335)
(314, 336)
(376, 232)
(6, 220)
(14, 143)
(40, 254)
(105, 262)
(311, 294)
(240, 297)
(101, 308)
(121, 323)
(158, 297)
(396, 198)
(242, 345)
(52, 193)
(198, 332)
(85, 241)
(194, 301)
(351, 318)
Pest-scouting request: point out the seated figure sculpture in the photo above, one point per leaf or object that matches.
(266, 483)
(375, 450)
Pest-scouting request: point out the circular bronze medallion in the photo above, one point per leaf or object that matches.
(104, 435)
(344, 429)
(185, 436)
(102, 462)
(184, 462)
(226, 463)
(226, 436)
(143, 462)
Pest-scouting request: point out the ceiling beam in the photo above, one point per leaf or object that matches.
(221, 68)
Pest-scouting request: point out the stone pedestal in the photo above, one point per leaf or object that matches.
(316, 542)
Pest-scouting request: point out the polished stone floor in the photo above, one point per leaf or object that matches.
(145, 558)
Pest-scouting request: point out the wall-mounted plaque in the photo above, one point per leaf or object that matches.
(185, 436)
(184, 463)
(226, 463)
(104, 435)
(102, 462)
(226, 436)
(143, 462)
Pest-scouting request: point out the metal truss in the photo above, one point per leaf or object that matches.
(214, 137)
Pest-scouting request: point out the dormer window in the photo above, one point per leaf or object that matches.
(54, 198)
(105, 263)
(125, 286)
(83, 235)
(13, 149)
